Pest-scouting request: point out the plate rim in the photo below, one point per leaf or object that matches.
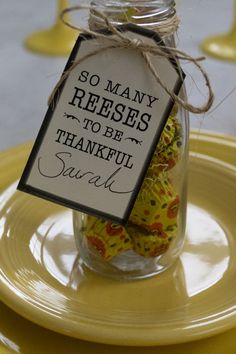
(85, 328)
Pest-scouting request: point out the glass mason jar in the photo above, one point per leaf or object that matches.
(153, 237)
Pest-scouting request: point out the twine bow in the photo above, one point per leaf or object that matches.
(119, 40)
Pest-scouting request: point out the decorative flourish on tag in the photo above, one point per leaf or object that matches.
(134, 140)
(71, 116)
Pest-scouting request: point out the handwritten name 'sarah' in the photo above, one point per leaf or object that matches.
(61, 168)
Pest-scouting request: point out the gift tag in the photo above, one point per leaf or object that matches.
(102, 127)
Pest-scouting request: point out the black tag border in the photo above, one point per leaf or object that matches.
(24, 187)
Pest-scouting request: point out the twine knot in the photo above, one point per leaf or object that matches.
(135, 43)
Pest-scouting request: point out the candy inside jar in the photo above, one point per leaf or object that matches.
(153, 236)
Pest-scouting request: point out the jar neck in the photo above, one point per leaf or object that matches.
(149, 14)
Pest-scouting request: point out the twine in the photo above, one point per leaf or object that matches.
(119, 40)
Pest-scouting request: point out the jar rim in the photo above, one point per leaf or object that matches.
(162, 4)
(150, 13)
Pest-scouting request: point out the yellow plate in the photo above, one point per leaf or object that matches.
(39, 277)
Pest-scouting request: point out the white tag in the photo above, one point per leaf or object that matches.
(98, 137)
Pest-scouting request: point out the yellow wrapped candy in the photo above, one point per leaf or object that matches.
(148, 244)
(107, 238)
(157, 202)
(151, 227)
(153, 221)
(168, 149)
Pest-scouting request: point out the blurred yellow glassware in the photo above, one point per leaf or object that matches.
(222, 46)
(57, 40)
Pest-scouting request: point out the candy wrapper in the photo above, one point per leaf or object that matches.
(153, 222)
